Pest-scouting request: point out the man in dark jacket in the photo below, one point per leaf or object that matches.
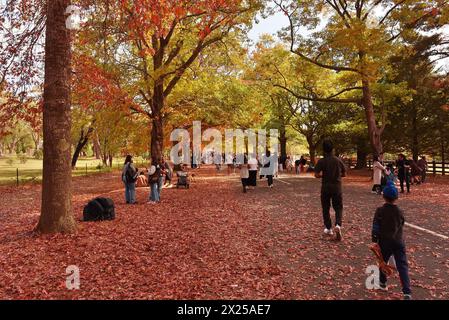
(331, 169)
(387, 232)
(403, 166)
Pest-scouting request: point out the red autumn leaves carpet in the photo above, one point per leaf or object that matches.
(214, 242)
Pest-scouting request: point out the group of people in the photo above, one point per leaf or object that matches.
(158, 176)
(408, 172)
(251, 167)
(388, 222)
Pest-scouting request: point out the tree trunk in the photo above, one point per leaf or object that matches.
(367, 103)
(415, 133)
(312, 150)
(84, 138)
(56, 211)
(373, 131)
(96, 147)
(110, 159)
(362, 153)
(157, 131)
(283, 143)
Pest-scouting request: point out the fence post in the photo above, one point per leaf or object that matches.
(86, 169)
(443, 167)
(17, 176)
(434, 164)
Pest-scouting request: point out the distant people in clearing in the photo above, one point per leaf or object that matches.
(387, 233)
(378, 171)
(302, 164)
(289, 164)
(331, 169)
(129, 178)
(297, 166)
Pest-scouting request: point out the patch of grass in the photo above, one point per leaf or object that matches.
(30, 171)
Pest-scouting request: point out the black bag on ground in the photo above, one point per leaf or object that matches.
(99, 209)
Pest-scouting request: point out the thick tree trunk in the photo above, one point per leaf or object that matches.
(373, 131)
(96, 147)
(312, 150)
(415, 133)
(110, 159)
(84, 138)
(56, 211)
(362, 153)
(157, 131)
(283, 143)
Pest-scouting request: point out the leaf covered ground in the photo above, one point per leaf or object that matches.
(214, 242)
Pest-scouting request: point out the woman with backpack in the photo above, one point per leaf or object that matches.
(154, 181)
(129, 178)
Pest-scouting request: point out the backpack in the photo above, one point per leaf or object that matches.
(154, 178)
(128, 176)
(99, 209)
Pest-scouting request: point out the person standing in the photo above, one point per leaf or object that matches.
(331, 170)
(403, 172)
(423, 165)
(378, 171)
(129, 178)
(244, 175)
(154, 178)
(297, 166)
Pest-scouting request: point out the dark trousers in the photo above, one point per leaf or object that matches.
(332, 195)
(252, 178)
(396, 249)
(245, 183)
(406, 179)
(270, 180)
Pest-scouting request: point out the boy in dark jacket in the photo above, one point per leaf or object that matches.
(387, 233)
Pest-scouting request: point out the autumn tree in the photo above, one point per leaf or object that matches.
(56, 212)
(156, 42)
(355, 39)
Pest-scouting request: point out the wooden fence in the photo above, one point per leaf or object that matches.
(434, 167)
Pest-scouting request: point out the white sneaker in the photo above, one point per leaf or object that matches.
(328, 232)
(338, 232)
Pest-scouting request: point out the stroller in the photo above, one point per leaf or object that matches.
(183, 179)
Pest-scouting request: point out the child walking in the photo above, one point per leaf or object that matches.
(387, 234)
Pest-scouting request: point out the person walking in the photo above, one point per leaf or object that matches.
(387, 235)
(424, 166)
(268, 170)
(252, 167)
(129, 178)
(403, 172)
(331, 170)
(378, 171)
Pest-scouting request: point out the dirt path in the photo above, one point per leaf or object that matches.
(214, 242)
